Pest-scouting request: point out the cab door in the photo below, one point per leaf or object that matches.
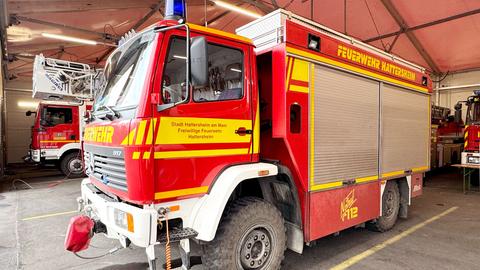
(213, 128)
(60, 126)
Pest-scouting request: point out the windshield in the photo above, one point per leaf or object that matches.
(125, 74)
(473, 113)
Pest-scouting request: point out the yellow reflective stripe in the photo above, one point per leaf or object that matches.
(326, 185)
(141, 132)
(300, 70)
(219, 32)
(353, 68)
(129, 139)
(297, 88)
(312, 125)
(289, 70)
(201, 153)
(256, 131)
(395, 173)
(465, 144)
(366, 179)
(151, 131)
(466, 135)
(181, 192)
(54, 141)
(146, 155)
(418, 169)
(136, 155)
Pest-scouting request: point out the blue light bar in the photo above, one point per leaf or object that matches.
(476, 92)
(175, 10)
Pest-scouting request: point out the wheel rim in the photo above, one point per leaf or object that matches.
(389, 203)
(75, 165)
(256, 248)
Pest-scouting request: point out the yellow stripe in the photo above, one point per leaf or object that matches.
(465, 144)
(297, 88)
(136, 155)
(355, 259)
(180, 192)
(201, 153)
(141, 132)
(50, 215)
(289, 70)
(395, 173)
(366, 179)
(353, 68)
(146, 155)
(219, 32)
(151, 131)
(327, 185)
(312, 125)
(466, 135)
(129, 139)
(55, 141)
(256, 131)
(419, 169)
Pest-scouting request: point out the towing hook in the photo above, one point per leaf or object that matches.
(80, 203)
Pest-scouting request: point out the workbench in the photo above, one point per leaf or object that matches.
(468, 170)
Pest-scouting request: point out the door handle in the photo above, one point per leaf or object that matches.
(243, 131)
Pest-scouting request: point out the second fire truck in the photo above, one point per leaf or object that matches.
(250, 144)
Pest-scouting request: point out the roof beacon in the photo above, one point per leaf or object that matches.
(175, 10)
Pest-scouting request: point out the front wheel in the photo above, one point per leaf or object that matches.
(251, 235)
(71, 165)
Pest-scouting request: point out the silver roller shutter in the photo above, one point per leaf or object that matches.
(405, 130)
(346, 116)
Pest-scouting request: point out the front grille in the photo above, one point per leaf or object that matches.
(108, 170)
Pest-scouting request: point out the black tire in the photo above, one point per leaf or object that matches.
(72, 165)
(390, 209)
(251, 231)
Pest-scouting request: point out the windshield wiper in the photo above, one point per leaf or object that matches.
(111, 114)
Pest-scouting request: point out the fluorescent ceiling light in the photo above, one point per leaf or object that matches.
(236, 70)
(180, 57)
(72, 39)
(27, 104)
(237, 9)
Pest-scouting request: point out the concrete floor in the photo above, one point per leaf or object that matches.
(450, 242)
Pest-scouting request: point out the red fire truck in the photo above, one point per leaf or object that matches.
(252, 143)
(56, 133)
(56, 136)
(471, 147)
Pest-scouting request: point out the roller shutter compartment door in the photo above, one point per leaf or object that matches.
(405, 130)
(346, 123)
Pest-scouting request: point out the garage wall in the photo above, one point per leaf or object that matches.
(18, 97)
(448, 98)
(2, 118)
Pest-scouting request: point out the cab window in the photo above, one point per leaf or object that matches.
(225, 74)
(55, 116)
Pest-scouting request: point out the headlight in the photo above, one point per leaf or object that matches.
(123, 220)
(475, 160)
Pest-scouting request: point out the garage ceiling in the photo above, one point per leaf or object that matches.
(441, 35)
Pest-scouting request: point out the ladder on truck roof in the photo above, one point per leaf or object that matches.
(55, 79)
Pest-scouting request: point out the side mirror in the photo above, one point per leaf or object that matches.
(28, 113)
(199, 61)
(458, 113)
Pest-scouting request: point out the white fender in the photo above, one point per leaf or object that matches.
(207, 213)
(67, 147)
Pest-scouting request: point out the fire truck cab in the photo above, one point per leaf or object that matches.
(250, 143)
(470, 154)
(56, 136)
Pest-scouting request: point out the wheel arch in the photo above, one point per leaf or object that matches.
(67, 149)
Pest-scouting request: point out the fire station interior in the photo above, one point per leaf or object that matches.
(42, 135)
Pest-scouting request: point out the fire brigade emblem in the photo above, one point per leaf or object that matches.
(348, 210)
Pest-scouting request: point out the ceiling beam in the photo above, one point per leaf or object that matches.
(411, 36)
(260, 5)
(425, 25)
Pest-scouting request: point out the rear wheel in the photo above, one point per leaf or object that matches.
(251, 235)
(71, 165)
(390, 208)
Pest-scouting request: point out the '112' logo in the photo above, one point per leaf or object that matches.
(347, 209)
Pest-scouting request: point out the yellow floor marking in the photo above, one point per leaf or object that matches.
(50, 215)
(353, 260)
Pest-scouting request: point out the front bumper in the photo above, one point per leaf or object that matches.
(472, 158)
(101, 208)
(33, 155)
